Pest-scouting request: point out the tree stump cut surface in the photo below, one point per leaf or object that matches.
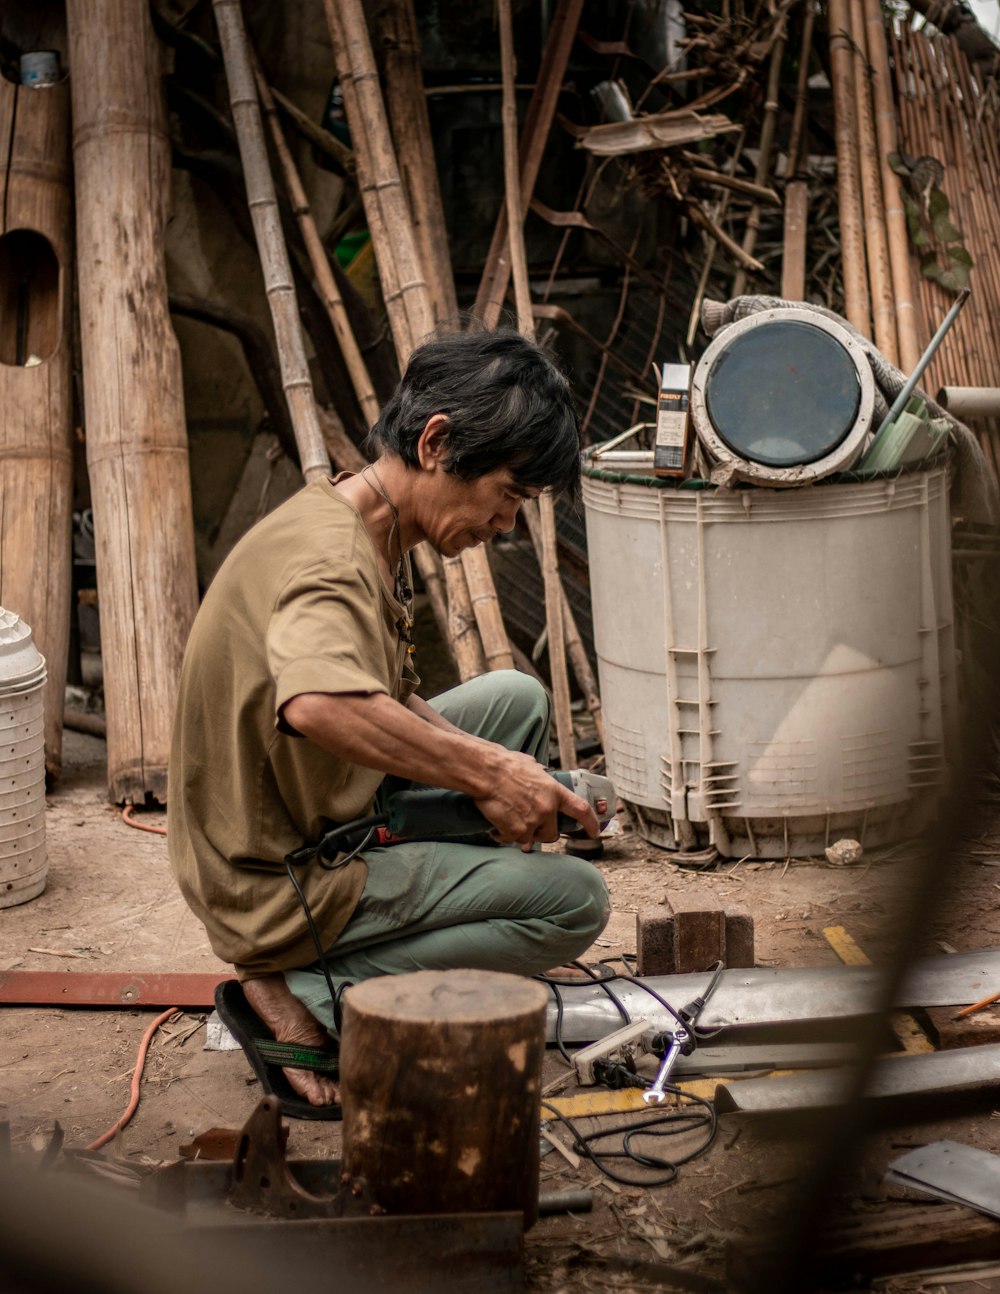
(440, 1082)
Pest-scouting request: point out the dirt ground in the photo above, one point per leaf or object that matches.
(110, 904)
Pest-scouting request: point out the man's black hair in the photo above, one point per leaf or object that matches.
(507, 405)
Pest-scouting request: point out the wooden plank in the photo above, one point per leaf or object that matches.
(36, 456)
(898, 1239)
(908, 1030)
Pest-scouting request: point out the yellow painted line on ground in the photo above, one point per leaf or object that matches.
(907, 1029)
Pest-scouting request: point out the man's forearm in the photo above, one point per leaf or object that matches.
(411, 741)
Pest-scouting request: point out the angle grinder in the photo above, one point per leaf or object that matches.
(430, 813)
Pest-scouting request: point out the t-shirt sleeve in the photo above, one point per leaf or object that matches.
(325, 635)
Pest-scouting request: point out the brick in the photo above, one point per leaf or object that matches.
(699, 939)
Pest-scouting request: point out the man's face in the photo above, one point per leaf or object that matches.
(460, 514)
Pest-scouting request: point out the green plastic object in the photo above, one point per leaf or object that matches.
(910, 438)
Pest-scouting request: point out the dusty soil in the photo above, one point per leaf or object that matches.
(110, 904)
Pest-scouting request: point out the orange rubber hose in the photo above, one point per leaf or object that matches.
(139, 826)
(133, 1104)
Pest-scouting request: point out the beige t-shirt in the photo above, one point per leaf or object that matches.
(298, 606)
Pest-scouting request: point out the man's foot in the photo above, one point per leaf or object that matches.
(290, 1021)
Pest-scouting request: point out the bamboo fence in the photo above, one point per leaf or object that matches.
(946, 111)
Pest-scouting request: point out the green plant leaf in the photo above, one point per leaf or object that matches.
(896, 164)
(961, 256)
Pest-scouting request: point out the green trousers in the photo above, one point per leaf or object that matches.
(433, 905)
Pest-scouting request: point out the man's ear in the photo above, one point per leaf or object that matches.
(432, 446)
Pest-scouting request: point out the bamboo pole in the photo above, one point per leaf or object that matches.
(575, 649)
(409, 120)
(763, 169)
(329, 293)
(876, 238)
(36, 392)
(796, 221)
(538, 122)
(277, 270)
(133, 393)
(522, 295)
(463, 629)
(405, 290)
(886, 131)
(848, 188)
(408, 301)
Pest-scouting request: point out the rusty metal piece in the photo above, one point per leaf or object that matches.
(263, 1183)
(107, 988)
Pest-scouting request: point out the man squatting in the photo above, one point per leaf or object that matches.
(297, 699)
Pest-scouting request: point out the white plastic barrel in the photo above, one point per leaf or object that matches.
(23, 859)
(777, 667)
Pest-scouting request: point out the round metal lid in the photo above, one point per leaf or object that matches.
(783, 395)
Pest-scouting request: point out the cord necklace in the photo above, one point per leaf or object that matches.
(401, 584)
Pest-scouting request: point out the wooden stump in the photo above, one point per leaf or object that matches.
(440, 1081)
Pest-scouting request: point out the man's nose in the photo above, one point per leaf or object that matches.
(506, 517)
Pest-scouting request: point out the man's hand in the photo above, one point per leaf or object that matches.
(525, 801)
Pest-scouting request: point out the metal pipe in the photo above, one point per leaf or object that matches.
(970, 401)
(899, 404)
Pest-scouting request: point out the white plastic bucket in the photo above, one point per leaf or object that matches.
(777, 667)
(23, 857)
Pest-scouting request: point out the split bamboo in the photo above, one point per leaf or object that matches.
(36, 461)
(876, 237)
(538, 122)
(404, 288)
(262, 200)
(406, 102)
(895, 217)
(848, 187)
(329, 293)
(133, 395)
(522, 295)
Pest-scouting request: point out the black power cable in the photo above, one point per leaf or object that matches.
(669, 1124)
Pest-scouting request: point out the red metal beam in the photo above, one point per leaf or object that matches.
(107, 988)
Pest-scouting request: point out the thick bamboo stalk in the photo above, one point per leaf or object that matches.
(886, 132)
(133, 396)
(876, 237)
(278, 282)
(797, 150)
(852, 242)
(538, 122)
(329, 293)
(522, 295)
(406, 102)
(36, 395)
(766, 148)
(405, 291)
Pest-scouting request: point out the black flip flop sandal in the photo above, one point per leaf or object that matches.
(267, 1056)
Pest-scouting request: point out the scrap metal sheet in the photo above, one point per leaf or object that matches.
(894, 1076)
(775, 994)
(953, 1172)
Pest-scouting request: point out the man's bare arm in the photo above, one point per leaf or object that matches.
(511, 789)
